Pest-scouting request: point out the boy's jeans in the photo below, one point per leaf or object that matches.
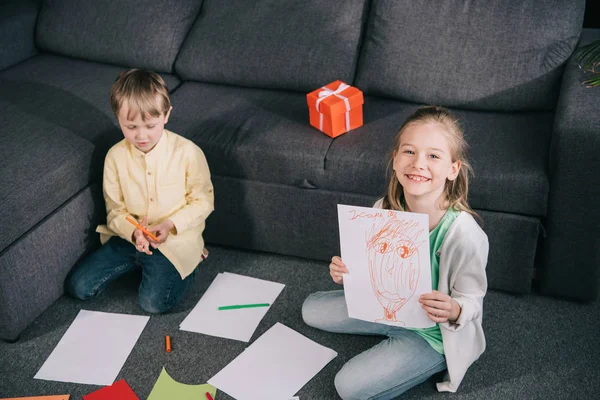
(161, 287)
(384, 371)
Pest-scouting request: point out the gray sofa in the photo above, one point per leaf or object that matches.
(239, 71)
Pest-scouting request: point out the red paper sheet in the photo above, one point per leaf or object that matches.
(118, 390)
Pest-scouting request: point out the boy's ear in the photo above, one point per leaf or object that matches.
(454, 170)
(167, 114)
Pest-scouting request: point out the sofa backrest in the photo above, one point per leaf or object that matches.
(501, 55)
(143, 34)
(279, 44)
(17, 24)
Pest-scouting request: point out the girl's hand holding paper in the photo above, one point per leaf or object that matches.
(337, 270)
(440, 307)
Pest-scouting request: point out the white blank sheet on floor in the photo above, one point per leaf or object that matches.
(274, 367)
(94, 348)
(231, 289)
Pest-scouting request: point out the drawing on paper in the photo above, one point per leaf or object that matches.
(392, 248)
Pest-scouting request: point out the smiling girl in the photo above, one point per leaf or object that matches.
(430, 176)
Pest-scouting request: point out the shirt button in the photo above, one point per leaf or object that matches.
(151, 199)
(149, 172)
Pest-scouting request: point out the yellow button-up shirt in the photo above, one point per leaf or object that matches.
(171, 181)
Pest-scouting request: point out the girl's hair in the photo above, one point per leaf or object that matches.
(140, 89)
(456, 191)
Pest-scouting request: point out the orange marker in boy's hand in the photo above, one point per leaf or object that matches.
(141, 228)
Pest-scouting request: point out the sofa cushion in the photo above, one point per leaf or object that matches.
(142, 34)
(57, 127)
(256, 134)
(42, 165)
(482, 55)
(273, 43)
(264, 135)
(508, 151)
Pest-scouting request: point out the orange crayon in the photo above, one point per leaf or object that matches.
(141, 228)
(168, 343)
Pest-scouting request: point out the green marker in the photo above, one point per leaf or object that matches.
(237, 306)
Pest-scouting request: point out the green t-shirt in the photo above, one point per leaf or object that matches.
(433, 335)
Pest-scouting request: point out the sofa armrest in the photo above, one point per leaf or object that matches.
(17, 26)
(572, 247)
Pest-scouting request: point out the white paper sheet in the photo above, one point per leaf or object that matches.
(229, 289)
(94, 348)
(274, 367)
(388, 258)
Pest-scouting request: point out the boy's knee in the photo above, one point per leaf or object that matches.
(153, 305)
(78, 288)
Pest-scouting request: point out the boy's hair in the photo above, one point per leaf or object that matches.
(140, 89)
(456, 191)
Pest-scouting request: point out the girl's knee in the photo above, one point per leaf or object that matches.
(325, 310)
(310, 311)
(348, 384)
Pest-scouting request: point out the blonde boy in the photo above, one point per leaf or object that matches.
(161, 180)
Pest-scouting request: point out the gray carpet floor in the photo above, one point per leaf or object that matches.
(537, 347)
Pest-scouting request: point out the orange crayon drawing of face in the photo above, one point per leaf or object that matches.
(393, 257)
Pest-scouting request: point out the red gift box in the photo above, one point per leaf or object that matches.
(335, 108)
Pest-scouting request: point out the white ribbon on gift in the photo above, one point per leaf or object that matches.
(325, 93)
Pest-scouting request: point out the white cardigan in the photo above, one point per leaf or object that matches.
(463, 258)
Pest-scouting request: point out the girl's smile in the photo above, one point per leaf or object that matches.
(418, 178)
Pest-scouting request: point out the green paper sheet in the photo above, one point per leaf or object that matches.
(166, 388)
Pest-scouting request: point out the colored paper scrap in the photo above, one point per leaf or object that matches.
(166, 388)
(55, 397)
(118, 390)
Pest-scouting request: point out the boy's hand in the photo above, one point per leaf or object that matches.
(161, 231)
(141, 243)
(440, 307)
(336, 269)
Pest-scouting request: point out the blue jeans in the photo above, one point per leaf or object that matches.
(161, 287)
(384, 371)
